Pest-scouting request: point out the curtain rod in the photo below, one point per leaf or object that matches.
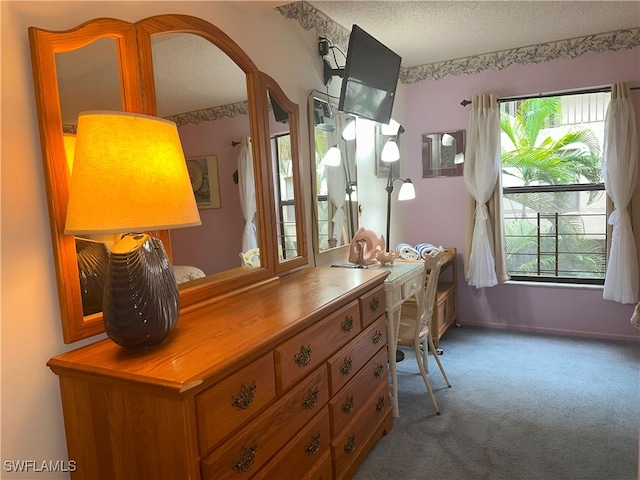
(464, 103)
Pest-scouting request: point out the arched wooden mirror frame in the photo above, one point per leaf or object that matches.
(133, 45)
(273, 90)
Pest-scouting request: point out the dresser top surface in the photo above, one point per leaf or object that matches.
(209, 341)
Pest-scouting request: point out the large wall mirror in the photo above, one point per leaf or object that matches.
(187, 70)
(335, 185)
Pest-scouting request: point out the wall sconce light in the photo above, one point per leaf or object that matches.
(130, 176)
(458, 159)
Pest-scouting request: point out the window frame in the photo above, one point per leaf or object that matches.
(582, 187)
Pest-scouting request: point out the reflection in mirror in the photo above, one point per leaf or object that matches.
(284, 182)
(443, 154)
(334, 148)
(212, 114)
(88, 80)
(136, 91)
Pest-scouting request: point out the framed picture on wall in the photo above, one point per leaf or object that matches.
(203, 172)
(443, 154)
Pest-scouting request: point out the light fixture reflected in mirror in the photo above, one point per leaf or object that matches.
(333, 157)
(443, 154)
(447, 140)
(349, 132)
(390, 151)
(390, 129)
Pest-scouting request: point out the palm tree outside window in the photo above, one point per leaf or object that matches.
(553, 192)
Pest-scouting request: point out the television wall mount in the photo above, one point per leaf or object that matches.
(328, 70)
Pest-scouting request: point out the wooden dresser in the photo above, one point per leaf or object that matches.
(287, 380)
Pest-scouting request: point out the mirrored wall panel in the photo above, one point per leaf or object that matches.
(335, 180)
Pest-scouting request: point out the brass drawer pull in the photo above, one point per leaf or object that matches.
(350, 446)
(311, 400)
(347, 325)
(314, 445)
(380, 404)
(379, 370)
(347, 406)
(374, 304)
(377, 337)
(247, 459)
(347, 365)
(244, 399)
(303, 358)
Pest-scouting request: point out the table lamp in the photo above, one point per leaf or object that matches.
(130, 176)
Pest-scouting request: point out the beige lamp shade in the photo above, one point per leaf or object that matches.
(129, 175)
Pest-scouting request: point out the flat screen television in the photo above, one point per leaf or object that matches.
(369, 79)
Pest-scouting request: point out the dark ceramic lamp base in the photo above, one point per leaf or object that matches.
(141, 301)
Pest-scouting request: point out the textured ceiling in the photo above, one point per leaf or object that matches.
(423, 32)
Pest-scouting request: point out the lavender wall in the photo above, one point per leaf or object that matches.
(437, 216)
(214, 246)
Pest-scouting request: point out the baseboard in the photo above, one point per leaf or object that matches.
(557, 331)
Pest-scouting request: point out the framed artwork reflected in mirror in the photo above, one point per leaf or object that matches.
(443, 154)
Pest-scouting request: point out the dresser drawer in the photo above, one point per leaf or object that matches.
(309, 446)
(228, 404)
(350, 401)
(344, 365)
(304, 352)
(252, 447)
(346, 447)
(372, 305)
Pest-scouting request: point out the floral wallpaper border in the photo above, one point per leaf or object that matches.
(210, 114)
(196, 116)
(310, 17)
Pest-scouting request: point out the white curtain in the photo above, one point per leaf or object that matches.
(481, 170)
(247, 190)
(337, 190)
(620, 170)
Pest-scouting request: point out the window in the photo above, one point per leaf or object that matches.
(554, 203)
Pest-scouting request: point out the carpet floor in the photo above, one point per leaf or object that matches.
(522, 406)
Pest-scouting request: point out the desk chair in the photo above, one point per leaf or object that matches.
(250, 258)
(415, 322)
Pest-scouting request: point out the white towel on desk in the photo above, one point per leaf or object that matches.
(424, 249)
(407, 252)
